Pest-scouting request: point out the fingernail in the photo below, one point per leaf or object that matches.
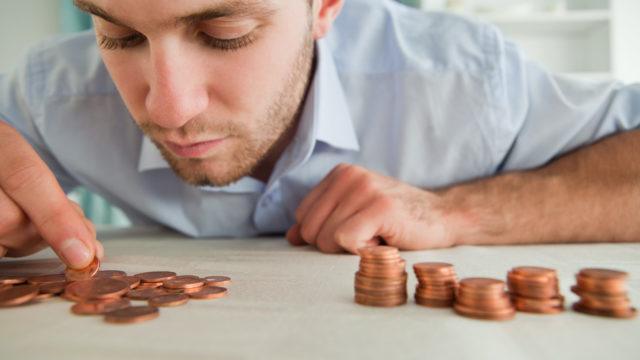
(76, 253)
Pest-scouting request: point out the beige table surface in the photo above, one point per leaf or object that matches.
(295, 303)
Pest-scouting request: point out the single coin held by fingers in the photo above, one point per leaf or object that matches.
(83, 274)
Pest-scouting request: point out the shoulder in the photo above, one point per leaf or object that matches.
(65, 66)
(384, 36)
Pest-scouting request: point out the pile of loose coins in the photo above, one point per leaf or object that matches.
(381, 281)
(110, 293)
(437, 284)
(535, 290)
(603, 292)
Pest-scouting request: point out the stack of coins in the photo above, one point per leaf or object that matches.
(382, 279)
(483, 298)
(535, 290)
(110, 293)
(437, 284)
(603, 292)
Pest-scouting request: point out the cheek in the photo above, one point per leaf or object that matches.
(126, 72)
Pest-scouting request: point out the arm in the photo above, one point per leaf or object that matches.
(589, 195)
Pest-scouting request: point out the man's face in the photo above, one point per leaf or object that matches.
(216, 84)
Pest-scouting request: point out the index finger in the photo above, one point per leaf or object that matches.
(26, 179)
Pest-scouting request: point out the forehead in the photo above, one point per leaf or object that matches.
(167, 12)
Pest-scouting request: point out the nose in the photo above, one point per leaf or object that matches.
(177, 91)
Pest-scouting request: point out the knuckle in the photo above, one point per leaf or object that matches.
(385, 203)
(23, 177)
(307, 232)
(10, 220)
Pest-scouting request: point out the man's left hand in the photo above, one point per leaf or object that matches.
(353, 207)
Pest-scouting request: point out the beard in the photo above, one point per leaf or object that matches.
(245, 151)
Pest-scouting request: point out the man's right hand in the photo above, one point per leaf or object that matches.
(34, 210)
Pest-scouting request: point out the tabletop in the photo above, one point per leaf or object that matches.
(296, 303)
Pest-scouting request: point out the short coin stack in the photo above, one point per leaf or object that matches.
(437, 284)
(603, 292)
(483, 298)
(110, 293)
(535, 290)
(381, 279)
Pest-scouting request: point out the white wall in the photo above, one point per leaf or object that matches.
(22, 24)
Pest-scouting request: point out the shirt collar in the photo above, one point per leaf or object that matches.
(325, 117)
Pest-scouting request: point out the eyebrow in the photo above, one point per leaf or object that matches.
(239, 8)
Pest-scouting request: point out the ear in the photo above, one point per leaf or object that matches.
(324, 13)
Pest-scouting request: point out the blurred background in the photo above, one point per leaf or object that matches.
(594, 40)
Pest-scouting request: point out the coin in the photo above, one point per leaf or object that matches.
(46, 279)
(110, 274)
(100, 288)
(53, 288)
(169, 300)
(209, 292)
(132, 314)
(145, 294)
(217, 280)
(133, 281)
(183, 282)
(148, 285)
(18, 295)
(156, 276)
(98, 307)
(83, 274)
(12, 280)
(483, 298)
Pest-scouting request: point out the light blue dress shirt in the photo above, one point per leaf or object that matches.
(430, 99)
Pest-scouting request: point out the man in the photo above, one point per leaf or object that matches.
(273, 116)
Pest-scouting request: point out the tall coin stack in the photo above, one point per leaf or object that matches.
(437, 284)
(535, 290)
(483, 298)
(603, 292)
(381, 279)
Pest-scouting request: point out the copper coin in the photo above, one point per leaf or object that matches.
(482, 285)
(99, 307)
(183, 282)
(5, 286)
(83, 274)
(145, 294)
(378, 301)
(132, 314)
(434, 303)
(609, 287)
(378, 252)
(217, 280)
(209, 292)
(604, 274)
(620, 314)
(42, 297)
(110, 274)
(169, 300)
(99, 288)
(504, 314)
(12, 280)
(133, 281)
(534, 272)
(503, 302)
(46, 279)
(53, 288)
(156, 276)
(434, 268)
(190, 290)
(18, 295)
(149, 285)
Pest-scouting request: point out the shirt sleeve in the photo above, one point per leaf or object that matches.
(18, 103)
(544, 115)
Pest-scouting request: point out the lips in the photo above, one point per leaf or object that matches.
(193, 150)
